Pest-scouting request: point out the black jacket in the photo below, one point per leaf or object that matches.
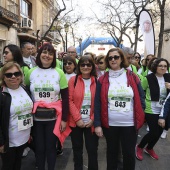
(5, 103)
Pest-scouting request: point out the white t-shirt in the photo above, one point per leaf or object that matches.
(21, 107)
(156, 106)
(68, 76)
(45, 85)
(120, 102)
(86, 105)
(28, 61)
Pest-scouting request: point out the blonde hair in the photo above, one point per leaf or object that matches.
(6, 67)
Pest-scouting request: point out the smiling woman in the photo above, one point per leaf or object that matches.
(48, 85)
(16, 119)
(118, 111)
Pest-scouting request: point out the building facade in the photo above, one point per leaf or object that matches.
(26, 20)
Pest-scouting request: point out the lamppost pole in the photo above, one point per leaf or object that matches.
(66, 27)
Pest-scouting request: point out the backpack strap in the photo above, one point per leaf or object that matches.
(75, 81)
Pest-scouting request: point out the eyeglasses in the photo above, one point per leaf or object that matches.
(100, 62)
(162, 66)
(6, 52)
(68, 63)
(16, 74)
(116, 57)
(136, 57)
(71, 52)
(83, 65)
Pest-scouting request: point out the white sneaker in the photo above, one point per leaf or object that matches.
(26, 150)
(164, 134)
(147, 128)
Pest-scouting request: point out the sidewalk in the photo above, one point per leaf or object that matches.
(65, 162)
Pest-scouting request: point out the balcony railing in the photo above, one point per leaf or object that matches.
(8, 15)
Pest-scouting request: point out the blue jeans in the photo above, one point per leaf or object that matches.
(91, 143)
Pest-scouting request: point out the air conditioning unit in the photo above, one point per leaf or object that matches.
(26, 23)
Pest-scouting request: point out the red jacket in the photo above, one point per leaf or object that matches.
(76, 96)
(101, 100)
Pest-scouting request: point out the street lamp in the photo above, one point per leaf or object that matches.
(80, 41)
(66, 28)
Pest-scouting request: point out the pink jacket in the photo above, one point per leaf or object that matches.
(76, 96)
(57, 106)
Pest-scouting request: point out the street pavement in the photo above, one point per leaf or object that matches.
(65, 162)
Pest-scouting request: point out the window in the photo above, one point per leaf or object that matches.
(26, 8)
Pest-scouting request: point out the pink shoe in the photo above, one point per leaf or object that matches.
(151, 153)
(139, 153)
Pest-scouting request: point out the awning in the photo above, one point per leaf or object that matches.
(27, 37)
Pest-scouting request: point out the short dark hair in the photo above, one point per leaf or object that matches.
(99, 57)
(90, 60)
(145, 63)
(25, 43)
(124, 63)
(49, 48)
(68, 58)
(151, 62)
(156, 63)
(16, 53)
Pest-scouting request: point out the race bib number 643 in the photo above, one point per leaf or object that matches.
(120, 104)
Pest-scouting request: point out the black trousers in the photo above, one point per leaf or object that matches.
(45, 144)
(91, 143)
(126, 136)
(155, 131)
(11, 160)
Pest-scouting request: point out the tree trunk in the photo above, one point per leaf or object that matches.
(162, 8)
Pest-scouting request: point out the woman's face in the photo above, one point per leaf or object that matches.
(114, 60)
(69, 67)
(161, 68)
(46, 58)
(85, 69)
(13, 78)
(137, 58)
(7, 55)
(101, 64)
(149, 59)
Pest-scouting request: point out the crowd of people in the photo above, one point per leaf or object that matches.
(45, 98)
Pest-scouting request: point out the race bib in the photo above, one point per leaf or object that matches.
(24, 122)
(120, 104)
(44, 94)
(85, 111)
(160, 103)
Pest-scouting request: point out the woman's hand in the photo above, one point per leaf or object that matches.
(2, 149)
(89, 123)
(80, 123)
(161, 122)
(63, 126)
(99, 132)
(167, 85)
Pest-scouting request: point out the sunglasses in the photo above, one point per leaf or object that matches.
(116, 57)
(88, 65)
(68, 63)
(16, 74)
(100, 62)
(137, 57)
(5, 52)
